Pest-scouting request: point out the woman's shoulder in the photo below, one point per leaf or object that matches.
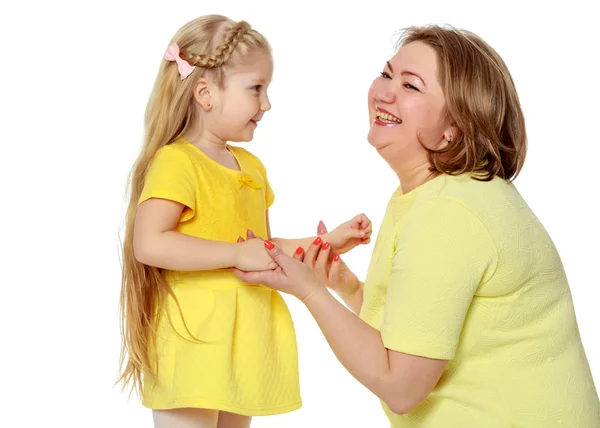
(463, 193)
(472, 192)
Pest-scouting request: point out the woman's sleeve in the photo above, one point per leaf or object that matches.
(443, 253)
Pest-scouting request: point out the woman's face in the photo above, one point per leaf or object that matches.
(406, 103)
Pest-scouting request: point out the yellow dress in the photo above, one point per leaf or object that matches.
(463, 270)
(241, 355)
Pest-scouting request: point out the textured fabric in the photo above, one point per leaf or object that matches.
(463, 270)
(235, 348)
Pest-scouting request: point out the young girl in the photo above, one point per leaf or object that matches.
(202, 347)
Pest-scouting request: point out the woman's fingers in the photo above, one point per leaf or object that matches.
(298, 254)
(312, 252)
(334, 271)
(322, 260)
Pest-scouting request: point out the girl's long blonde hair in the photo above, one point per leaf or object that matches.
(207, 42)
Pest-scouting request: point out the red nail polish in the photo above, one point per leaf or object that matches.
(317, 241)
(269, 244)
(326, 246)
(299, 250)
(336, 258)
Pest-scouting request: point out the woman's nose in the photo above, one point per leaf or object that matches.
(384, 94)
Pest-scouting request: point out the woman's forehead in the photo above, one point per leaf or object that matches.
(416, 57)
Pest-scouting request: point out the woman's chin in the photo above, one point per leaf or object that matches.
(377, 142)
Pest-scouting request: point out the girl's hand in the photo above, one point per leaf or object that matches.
(348, 235)
(291, 275)
(251, 255)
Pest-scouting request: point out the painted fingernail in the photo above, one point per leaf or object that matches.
(269, 244)
(317, 241)
(240, 239)
(336, 258)
(326, 246)
(299, 250)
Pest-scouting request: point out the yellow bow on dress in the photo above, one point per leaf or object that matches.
(247, 180)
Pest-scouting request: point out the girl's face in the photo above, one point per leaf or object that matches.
(407, 104)
(240, 104)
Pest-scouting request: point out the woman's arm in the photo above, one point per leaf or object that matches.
(400, 380)
(353, 300)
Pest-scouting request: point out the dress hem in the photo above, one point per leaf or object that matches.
(206, 403)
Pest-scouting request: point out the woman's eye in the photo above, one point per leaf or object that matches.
(385, 75)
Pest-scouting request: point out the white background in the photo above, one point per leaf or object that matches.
(75, 80)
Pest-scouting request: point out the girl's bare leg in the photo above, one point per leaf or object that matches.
(232, 420)
(185, 418)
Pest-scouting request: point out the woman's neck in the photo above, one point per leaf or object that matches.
(411, 178)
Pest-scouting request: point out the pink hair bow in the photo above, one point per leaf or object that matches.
(184, 67)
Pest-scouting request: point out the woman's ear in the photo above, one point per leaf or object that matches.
(451, 133)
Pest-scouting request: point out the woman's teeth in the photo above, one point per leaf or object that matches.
(384, 117)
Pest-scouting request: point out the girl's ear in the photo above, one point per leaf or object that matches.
(202, 94)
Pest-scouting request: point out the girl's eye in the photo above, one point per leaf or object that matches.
(385, 75)
(411, 87)
(257, 88)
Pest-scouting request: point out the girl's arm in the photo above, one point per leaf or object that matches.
(342, 239)
(289, 246)
(156, 243)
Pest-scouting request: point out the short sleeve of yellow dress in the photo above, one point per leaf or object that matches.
(228, 345)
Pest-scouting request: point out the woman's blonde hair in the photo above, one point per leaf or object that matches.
(209, 43)
(481, 102)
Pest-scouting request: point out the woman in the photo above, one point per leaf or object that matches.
(465, 318)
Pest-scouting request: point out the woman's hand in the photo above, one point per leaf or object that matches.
(328, 267)
(291, 276)
(348, 235)
(251, 255)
